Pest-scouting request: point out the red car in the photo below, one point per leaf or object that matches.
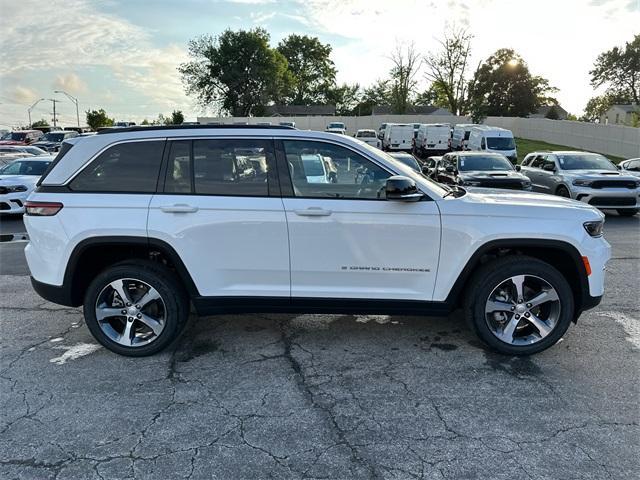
(21, 137)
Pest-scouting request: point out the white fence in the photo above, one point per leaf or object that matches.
(614, 140)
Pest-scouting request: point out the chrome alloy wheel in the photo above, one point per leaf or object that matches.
(522, 310)
(130, 312)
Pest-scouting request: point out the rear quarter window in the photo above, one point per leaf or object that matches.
(131, 167)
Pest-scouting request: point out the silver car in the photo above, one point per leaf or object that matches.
(583, 176)
(631, 166)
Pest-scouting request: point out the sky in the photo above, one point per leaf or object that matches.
(122, 55)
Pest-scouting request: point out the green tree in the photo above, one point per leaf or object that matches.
(377, 94)
(434, 95)
(312, 70)
(98, 118)
(346, 98)
(597, 106)
(40, 123)
(406, 64)
(503, 86)
(177, 117)
(237, 71)
(145, 122)
(619, 70)
(447, 71)
(553, 113)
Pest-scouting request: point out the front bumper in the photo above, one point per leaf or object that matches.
(607, 198)
(13, 203)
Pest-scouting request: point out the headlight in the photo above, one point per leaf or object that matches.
(582, 183)
(595, 229)
(17, 188)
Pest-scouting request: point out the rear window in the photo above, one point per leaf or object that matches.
(367, 134)
(127, 167)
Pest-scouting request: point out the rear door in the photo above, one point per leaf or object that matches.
(219, 208)
(347, 240)
(532, 170)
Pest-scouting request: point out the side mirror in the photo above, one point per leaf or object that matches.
(403, 189)
(518, 168)
(549, 167)
(618, 167)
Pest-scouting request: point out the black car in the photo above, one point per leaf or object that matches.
(52, 141)
(408, 160)
(478, 169)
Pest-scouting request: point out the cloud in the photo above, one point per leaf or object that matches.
(24, 95)
(70, 83)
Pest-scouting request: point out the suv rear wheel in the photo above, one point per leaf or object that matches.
(519, 305)
(135, 308)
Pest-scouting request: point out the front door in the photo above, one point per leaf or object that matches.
(221, 214)
(347, 240)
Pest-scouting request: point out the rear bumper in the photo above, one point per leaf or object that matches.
(53, 293)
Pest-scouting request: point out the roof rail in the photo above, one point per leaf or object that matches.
(143, 128)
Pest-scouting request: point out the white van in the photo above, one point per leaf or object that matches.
(493, 139)
(398, 136)
(460, 136)
(432, 139)
(336, 127)
(368, 136)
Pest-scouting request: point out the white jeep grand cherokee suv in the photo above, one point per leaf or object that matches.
(138, 224)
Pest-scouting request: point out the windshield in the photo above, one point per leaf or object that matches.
(54, 137)
(500, 143)
(436, 188)
(25, 168)
(366, 134)
(483, 162)
(312, 165)
(336, 125)
(17, 136)
(577, 161)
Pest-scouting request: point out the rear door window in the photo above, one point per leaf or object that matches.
(131, 167)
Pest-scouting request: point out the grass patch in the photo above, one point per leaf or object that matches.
(526, 146)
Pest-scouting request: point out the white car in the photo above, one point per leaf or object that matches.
(18, 179)
(631, 166)
(337, 127)
(140, 223)
(368, 136)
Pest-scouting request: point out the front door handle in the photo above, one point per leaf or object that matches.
(179, 208)
(313, 212)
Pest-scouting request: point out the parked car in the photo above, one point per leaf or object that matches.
(430, 166)
(477, 169)
(369, 136)
(288, 124)
(25, 149)
(17, 181)
(398, 136)
(337, 127)
(52, 141)
(588, 177)
(432, 139)
(21, 137)
(493, 139)
(408, 160)
(460, 136)
(631, 166)
(524, 265)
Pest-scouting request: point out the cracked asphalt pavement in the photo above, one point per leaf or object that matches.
(320, 396)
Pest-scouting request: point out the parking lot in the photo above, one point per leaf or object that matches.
(319, 396)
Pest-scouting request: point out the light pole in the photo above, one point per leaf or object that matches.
(31, 108)
(74, 100)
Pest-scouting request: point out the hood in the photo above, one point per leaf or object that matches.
(519, 204)
(592, 174)
(18, 179)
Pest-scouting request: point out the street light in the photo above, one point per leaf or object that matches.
(31, 108)
(74, 100)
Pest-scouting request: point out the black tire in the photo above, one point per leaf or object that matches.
(491, 274)
(176, 302)
(627, 212)
(563, 192)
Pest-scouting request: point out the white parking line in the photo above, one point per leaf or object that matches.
(631, 325)
(74, 352)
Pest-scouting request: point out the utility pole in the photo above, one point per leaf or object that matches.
(55, 119)
(74, 100)
(31, 108)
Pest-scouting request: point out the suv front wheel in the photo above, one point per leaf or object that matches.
(135, 308)
(519, 305)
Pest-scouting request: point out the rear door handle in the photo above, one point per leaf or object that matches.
(313, 212)
(179, 208)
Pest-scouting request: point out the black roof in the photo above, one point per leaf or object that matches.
(139, 128)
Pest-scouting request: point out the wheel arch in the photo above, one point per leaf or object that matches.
(92, 255)
(560, 254)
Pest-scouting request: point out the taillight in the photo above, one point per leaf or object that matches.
(42, 209)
